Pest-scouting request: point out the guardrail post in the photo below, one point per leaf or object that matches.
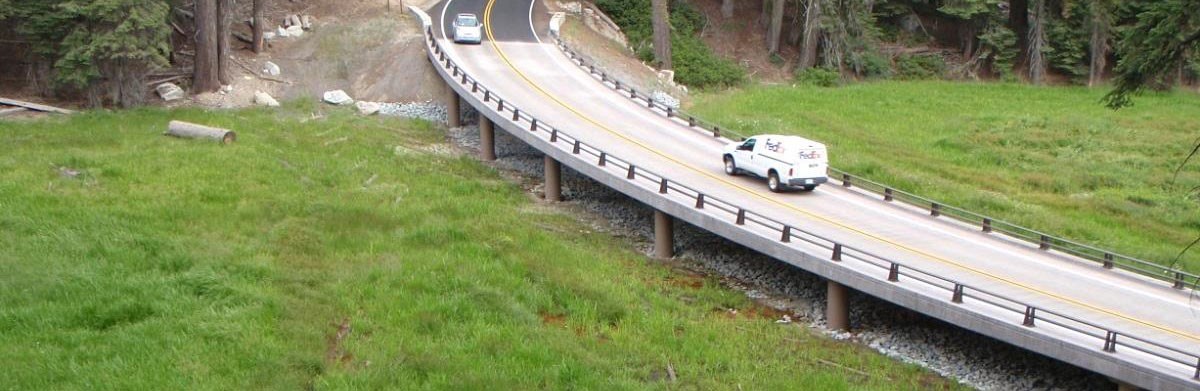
(603, 77)
(487, 95)
(787, 235)
(616, 84)
(464, 78)
(553, 135)
(664, 235)
(475, 86)
(837, 306)
(935, 209)
(533, 125)
(837, 253)
(958, 294)
(631, 174)
(741, 217)
(553, 188)
(894, 272)
(516, 114)
(670, 112)
(1110, 342)
(1108, 260)
(1030, 315)
(487, 139)
(1178, 280)
(716, 131)
(632, 93)
(1045, 243)
(887, 194)
(1197, 375)
(662, 186)
(603, 159)
(845, 180)
(700, 201)
(499, 105)
(691, 121)
(649, 101)
(576, 148)
(987, 225)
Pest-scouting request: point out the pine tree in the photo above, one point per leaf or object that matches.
(1164, 32)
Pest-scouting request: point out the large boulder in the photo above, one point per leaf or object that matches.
(271, 69)
(169, 91)
(265, 99)
(367, 108)
(337, 97)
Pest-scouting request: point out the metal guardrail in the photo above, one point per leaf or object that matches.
(896, 272)
(1108, 259)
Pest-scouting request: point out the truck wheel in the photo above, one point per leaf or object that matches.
(810, 187)
(773, 182)
(730, 166)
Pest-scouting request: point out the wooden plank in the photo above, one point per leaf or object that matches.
(34, 106)
(14, 110)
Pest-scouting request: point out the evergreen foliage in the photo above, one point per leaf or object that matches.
(694, 62)
(101, 48)
(1161, 36)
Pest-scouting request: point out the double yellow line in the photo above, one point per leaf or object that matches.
(487, 17)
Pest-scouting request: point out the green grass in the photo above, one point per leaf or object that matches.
(1053, 159)
(345, 252)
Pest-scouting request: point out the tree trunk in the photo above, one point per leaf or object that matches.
(811, 34)
(205, 72)
(1099, 43)
(1037, 42)
(1018, 21)
(226, 9)
(662, 33)
(776, 27)
(260, 22)
(727, 9)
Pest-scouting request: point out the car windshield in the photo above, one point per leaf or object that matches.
(466, 21)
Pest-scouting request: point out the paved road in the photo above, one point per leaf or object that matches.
(530, 71)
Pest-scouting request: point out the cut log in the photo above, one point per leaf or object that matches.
(14, 110)
(34, 106)
(189, 130)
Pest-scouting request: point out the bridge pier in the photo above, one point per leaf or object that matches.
(837, 306)
(453, 112)
(553, 189)
(487, 139)
(664, 235)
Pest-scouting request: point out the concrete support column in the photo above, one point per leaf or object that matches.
(664, 235)
(487, 139)
(837, 306)
(453, 114)
(553, 188)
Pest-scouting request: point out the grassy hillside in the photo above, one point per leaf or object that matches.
(341, 252)
(1050, 158)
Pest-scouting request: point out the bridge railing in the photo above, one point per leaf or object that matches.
(1107, 339)
(1179, 279)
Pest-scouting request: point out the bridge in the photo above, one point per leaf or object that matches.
(1121, 317)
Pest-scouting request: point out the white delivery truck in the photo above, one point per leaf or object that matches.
(786, 161)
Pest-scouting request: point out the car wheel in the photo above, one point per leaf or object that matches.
(773, 182)
(810, 187)
(730, 166)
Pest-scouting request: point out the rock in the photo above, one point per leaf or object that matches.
(268, 35)
(667, 74)
(227, 88)
(367, 108)
(169, 91)
(295, 31)
(265, 99)
(306, 22)
(665, 99)
(337, 97)
(573, 7)
(282, 32)
(271, 69)
(294, 20)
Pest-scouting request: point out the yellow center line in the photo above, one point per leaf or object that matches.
(487, 25)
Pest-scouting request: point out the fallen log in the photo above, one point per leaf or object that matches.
(34, 106)
(14, 110)
(189, 130)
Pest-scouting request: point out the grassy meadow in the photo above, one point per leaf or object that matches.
(332, 251)
(1050, 158)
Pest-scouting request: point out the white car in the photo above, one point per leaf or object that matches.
(467, 29)
(786, 161)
